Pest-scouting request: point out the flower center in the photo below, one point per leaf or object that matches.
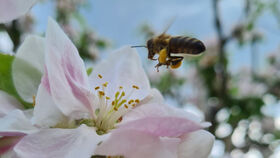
(111, 109)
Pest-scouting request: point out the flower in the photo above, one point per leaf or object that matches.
(15, 123)
(77, 111)
(158, 131)
(12, 9)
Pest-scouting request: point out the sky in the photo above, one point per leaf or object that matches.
(119, 21)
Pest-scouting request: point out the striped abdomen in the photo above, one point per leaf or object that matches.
(187, 45)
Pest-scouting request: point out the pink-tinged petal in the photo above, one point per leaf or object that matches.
(53, 143)
(12, 9)
(135, 144)
(28, 67)
(153, 97)
(197, 144)
(15, 124)
(46, 114)
(66, 73)
(8, 103)
(122, 68)
(7, 143)
(162, 126)
(161, 110)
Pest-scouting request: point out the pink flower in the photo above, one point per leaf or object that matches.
(12, 9)
(158, 131)
(15, 124)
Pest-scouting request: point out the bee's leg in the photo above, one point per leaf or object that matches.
(157, 66)
(175, 62)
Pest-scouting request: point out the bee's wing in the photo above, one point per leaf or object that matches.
(168, 24)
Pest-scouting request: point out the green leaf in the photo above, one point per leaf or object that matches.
(6, 82)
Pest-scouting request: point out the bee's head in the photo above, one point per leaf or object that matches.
(150, 47)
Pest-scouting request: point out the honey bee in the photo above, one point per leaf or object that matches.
(170, 49)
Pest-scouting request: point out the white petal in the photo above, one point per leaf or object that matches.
(59, 143)
(159, 110)
(12, 9)
(15, 123)
(196, 144)
(154, 97)
(28, 67)
(46, 114)
(135, 144)
(122, 68)
(66, 73)
(8, 103)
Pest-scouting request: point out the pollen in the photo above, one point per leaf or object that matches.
(101, 93)
(177, 65)
(100, 76)
(105, 84)
(134, 86)
(96, 88)
(137, 100)
(162, 56)
(34, 100)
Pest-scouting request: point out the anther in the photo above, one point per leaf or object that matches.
(101, 93)
(125, 106)
(100, 76)
(107, 98)
(121, 87)
(123, 93)
(96, 88)
(117, 94)
(133, 105)
(105, 84)
(34, 100)
(136, 87)
(115, 108)
(137, 100)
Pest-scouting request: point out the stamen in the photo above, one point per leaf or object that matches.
(123, 93)
(100, 76)
(121, 87)
(130, 101)
(34, 100)
(115, 108)
(113, 103)
(107, 98)
(117, 94)
(96, 88)
(137, 100)
(105, 84)
(125, 106)
(136, 87)
(133, 105)
(101, 93)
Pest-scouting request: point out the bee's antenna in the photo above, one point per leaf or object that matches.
(138, 46)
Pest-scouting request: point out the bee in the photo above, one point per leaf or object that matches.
(170, 49)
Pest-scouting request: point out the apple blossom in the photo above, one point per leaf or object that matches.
(12, 9)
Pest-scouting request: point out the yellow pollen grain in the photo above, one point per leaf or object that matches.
(136, 87)
(101, 93)
(34, 100)
(137, 100)
(100, 76)
(96, 88)
(105, 84)
(121, 87)
(115, 108)
(130, 101)
(125, 106)
(107, 98)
